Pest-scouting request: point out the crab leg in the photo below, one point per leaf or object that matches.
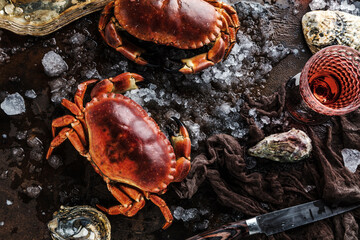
(229, 13)
(72, 107)
(108, 31)
(214, 55)
(67, 133)
(121, 197)
(127, 207)
(75, 124)
(137, 196)
(229, 10)
(79, 95)
(121, 83)
(205, 60)
(61, 122)
(164, 209)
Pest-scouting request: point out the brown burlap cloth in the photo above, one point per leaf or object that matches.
(257, 192)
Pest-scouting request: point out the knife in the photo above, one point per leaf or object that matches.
(275, 222)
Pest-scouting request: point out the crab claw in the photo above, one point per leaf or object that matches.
(121, 83)
(182, 148)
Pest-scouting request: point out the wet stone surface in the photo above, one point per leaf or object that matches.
(208, 102)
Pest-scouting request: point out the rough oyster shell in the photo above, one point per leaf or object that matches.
(41, 17)
(326, 28)
(290, 146)
(79, 222)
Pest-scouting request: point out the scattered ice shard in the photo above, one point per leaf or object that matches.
(13, 104)
(55, 161)
(33, 191)
(53, 64)
(30, 94)
(351, 158)
(77, 39)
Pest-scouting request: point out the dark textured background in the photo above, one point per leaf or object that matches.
(75, 182)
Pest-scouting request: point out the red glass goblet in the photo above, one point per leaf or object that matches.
(328, 85)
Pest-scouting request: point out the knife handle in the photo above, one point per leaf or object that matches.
(225, 232)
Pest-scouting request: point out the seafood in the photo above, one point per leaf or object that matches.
(290, 146)
(79, 222)
(38, 18)
(325, 28)
(186, 24)
(124, 145)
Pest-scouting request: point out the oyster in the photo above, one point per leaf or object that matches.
(79, 222)
(326, 28)
(290, 146)
(41, 17)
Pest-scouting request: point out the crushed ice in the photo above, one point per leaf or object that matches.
(222, 85)
(61, 88)
(339, 5)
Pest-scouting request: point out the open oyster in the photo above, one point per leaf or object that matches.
(79, 222)
(290, 146)
(325, 28)
(41, 17)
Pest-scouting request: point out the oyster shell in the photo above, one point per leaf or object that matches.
(290, 146)
(79, 222)
(41, 17)
(326, 28)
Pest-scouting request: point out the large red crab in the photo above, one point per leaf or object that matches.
(124, 145)
(184, 24)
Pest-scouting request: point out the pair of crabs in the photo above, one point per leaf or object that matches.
(123, 144)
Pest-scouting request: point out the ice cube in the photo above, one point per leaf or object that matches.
(351, 158)
(77, 39)
(33, 191)
(190, 214)
(178, 212)
(13, 104)
(30, 94)
(54, 65)
(55, 161)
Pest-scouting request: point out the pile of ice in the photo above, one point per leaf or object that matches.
(254, 54)
(61, 88)
(348, 6)
(210, 101)
(196, 219)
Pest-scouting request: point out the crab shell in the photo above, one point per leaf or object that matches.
(186, 24)
(182, 24)
(126, 145)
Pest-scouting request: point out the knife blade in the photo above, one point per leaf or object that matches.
(275, 222)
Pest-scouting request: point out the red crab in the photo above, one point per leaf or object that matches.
(185, 24)
(124, 145)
